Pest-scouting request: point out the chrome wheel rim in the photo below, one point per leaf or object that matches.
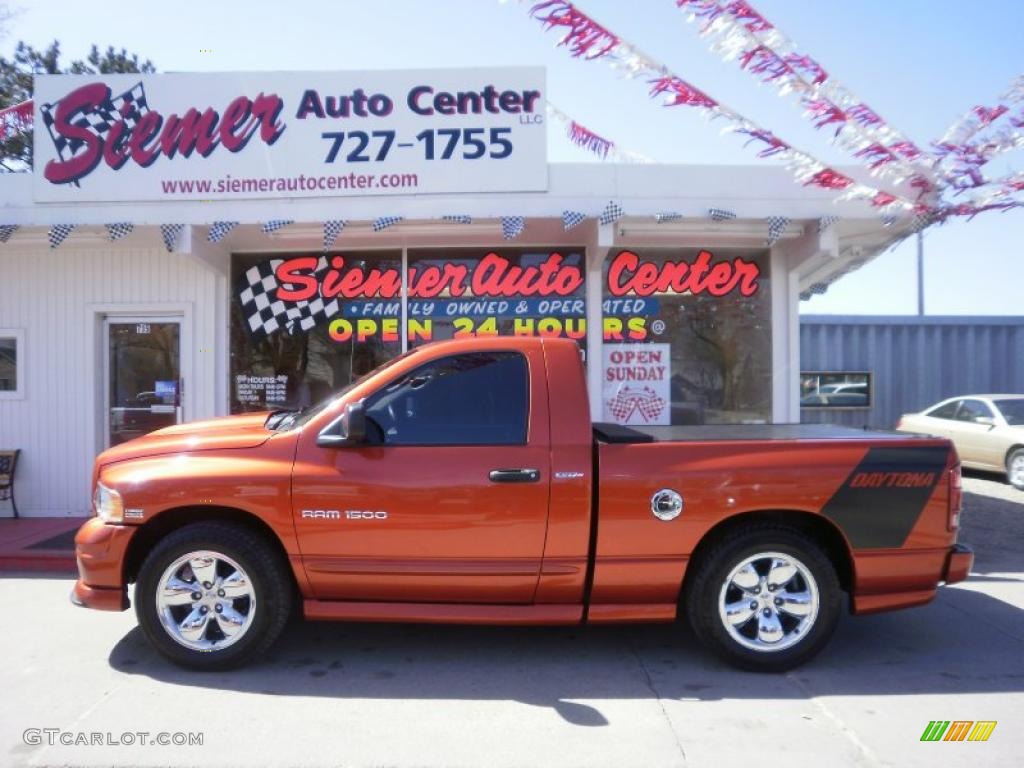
(206, 601)
(1017, 470)
(769, 602)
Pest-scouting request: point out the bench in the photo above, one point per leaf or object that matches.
(8, 463)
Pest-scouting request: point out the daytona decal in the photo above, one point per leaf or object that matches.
(880, 501)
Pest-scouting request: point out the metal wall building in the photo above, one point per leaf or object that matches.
(913, 361)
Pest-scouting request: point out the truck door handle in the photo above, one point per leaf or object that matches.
(515, 475)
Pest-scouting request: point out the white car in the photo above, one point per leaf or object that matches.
(988, 431)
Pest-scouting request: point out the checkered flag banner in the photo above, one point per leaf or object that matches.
(59, 233)
(826, 221)
(571, 219)
(170, 233)
(666, 216)
(129, 106)
(118, 230)
(512, 226)
(818, 289)
(922, 221)
(629, 400)
(888, 221)
(611, 213)
(721, 214)
(266, 314)
(457, 218)
(6, 230)
(776, 226)
(384, 222)
(275, 224)
(219, 230)
(332, 229)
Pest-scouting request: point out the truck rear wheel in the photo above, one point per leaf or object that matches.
(212, 596)
(766, 598)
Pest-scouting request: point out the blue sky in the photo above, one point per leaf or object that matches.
(919, 63)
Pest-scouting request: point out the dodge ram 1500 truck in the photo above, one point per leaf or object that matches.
(465, 482)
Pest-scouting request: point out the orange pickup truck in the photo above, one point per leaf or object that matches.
(465, 482)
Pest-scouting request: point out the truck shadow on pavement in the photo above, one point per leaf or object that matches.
(964, 642)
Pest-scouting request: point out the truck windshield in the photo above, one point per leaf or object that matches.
(1013, 410)
(304, 415)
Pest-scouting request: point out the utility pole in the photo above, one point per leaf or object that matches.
(920, 273)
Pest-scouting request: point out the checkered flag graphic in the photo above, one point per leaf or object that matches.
(512, 226)
(118, 230)
(219, 230)
(458, 218)
(666, 216)
(129, 106)
(629, 400)
(170, 233)
(826, 221)
(275, 224)
(818, 289)
(571, 219)
(776, 226)
(266, 314)
(805, 295)
(332, 229)
(721, 214)
(59, 233)
(383, 222)
(6, 230)
(611, 213)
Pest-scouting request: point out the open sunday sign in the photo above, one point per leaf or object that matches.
(289, 134)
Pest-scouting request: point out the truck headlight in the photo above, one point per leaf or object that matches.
(108, 504)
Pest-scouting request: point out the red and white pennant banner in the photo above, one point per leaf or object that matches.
(15, 120)
(583, 137)
(739, 32)
(585, 38)
(963, 151)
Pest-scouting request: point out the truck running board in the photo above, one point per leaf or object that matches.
(442, 613)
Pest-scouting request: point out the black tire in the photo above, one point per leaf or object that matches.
(1016, 480)
(704, 588)
(270, 581)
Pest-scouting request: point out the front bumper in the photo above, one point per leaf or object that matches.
(99, 598)
(100, 550)
(958, 563)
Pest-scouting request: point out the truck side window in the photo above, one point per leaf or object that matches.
(479, 398)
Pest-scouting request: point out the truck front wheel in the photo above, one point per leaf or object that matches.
(212, 596)
(766, 598)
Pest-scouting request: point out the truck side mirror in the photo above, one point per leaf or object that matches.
(347, 430)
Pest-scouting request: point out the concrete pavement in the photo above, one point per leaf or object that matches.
(373, 695)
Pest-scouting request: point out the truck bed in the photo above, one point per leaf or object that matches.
(615, 433)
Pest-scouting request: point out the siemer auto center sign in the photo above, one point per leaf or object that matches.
(288, 134)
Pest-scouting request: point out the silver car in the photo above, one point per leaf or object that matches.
(988, 431)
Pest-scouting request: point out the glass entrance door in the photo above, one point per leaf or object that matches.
(143, 363)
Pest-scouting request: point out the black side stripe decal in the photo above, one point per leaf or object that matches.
(880, 502)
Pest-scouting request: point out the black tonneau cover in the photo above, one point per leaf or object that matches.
(616, 433)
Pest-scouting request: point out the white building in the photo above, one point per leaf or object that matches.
(105, 339)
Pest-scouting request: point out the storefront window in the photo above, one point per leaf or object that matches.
(457, 293)
(337, 317)
(687, 337)
(303, 326)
